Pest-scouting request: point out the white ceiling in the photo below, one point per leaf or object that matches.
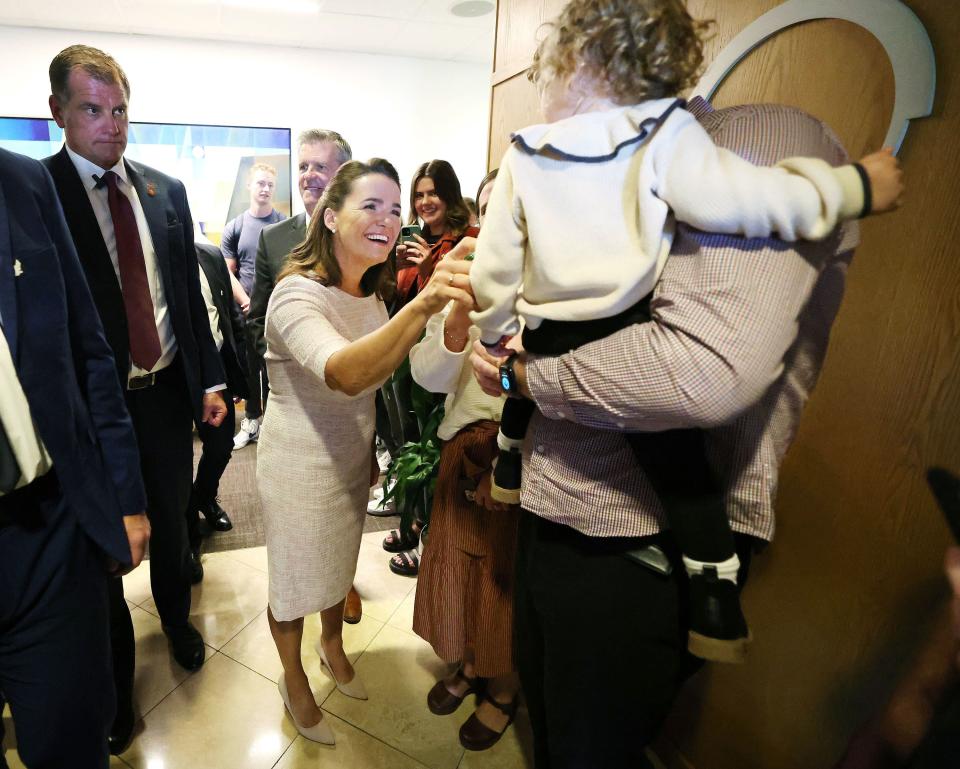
(420, 28)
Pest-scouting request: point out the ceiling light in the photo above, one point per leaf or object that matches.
(469, 9)
(285, 6)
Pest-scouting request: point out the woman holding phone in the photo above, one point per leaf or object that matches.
(329, 346)
(436, 205)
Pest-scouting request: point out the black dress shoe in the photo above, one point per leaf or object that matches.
(121, 733)
(196, 568)
(217, 518)
(187, 644)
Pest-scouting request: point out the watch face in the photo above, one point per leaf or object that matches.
(505, 381)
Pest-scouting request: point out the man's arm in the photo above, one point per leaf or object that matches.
(722, 320)
(260, 297)
(212, 377)
(229, 245)
(230, 248)
(235, 318)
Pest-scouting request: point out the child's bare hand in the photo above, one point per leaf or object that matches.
(886, 180)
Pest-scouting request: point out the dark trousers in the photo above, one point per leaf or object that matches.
(217, 450)
(54, 648)
(675, 462)
(256, 370)
(600, 642)
(162, 419)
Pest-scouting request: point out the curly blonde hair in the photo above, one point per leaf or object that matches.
(631, 50)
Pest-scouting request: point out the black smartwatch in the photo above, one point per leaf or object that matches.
(508, 379)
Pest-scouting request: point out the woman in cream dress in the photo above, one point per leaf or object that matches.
(329, 346)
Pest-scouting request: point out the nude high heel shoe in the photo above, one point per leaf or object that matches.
(354, 688)
(319, 732)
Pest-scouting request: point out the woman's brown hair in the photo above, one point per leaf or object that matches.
(448, 189)
(314, 258)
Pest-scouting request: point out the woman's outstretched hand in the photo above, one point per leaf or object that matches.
(450, 282)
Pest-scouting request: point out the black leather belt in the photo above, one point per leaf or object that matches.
(141, 382)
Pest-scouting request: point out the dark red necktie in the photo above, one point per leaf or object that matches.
(141, 323)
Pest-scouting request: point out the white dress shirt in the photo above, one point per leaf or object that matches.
(17, 422)
(101, 209)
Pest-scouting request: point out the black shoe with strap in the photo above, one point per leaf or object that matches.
(443, 702)
(396, 541)
(406, 564)
(718, 629)
(475, 735)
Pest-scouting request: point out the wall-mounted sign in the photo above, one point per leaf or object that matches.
(898, 29)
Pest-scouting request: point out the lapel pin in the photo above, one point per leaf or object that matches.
(151, 189)
(17, 268)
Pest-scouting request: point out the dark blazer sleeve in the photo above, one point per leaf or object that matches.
(211, 368)
(235, 319)
(260, 297)
(96, 368)
(228, 316)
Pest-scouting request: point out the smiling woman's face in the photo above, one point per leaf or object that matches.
(429, 206)
(367, 225)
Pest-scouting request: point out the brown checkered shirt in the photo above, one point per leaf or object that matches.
(738, 336)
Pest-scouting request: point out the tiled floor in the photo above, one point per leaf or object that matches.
(228, 715)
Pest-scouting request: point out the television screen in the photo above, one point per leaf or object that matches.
(212, 161)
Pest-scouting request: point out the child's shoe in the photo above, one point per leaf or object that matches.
(718, 629)
(505, 483)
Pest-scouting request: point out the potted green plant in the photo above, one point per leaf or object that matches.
(412, 473)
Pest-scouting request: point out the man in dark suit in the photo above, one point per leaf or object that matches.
(133, 233)
(320, 153)
(226, 325)
(71, 498)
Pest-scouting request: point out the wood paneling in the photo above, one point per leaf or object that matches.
(847, 589)
(514, 106)
(517, 25)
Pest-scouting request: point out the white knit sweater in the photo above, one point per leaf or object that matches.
(581, 217)
(437, 369)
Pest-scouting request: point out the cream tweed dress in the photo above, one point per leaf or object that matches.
(313, 458)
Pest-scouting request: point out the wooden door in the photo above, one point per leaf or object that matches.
(852, 581)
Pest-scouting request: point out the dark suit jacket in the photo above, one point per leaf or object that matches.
(276, 243)
(164, 202)
(229, 319)
(63, 360)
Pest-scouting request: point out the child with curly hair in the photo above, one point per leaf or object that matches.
(581, 222)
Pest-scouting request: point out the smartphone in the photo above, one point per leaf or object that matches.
(946, 488)
(408, 231)
(651, 557)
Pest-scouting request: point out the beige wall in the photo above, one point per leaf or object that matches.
(842, 597)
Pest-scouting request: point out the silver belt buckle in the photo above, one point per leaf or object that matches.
(141, 382)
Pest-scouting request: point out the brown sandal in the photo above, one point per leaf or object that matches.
(442, 702)
(475, 735)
